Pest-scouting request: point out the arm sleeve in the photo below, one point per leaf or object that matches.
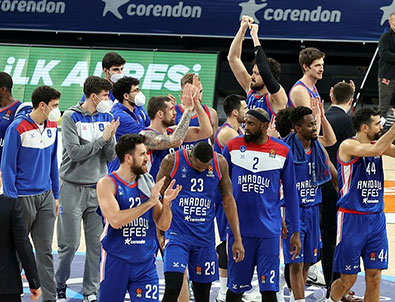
(290, 193)
(23, 246)
(385, 51)
(12, 143)
(71, 141)
(264, 70)
(54, 169)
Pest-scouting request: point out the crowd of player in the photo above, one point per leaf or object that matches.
(144, 181)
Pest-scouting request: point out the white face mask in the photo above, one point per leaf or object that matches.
(104, 106)
(54, 115)
(139, 99)
(116, 77)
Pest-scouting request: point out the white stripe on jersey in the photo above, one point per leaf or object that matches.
(346, 171)
(91, 131)
(37, 140)
(339, 227)
(256, 162)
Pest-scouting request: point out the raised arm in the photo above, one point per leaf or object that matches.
(277, 93)
(328, 137)
(234, 56)
(110, 207)
(230, 208)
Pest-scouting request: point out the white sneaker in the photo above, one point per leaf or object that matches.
(315, 276)
(221, 297)
(253, 295)
(90, 298)
(282, 283)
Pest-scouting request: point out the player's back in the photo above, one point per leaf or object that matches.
(193, 209)
(361, 184)
(136, 241)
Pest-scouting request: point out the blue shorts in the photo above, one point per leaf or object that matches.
(117, 276)
(202, 262)
(261, 252)
(358, 236)
(310, 237)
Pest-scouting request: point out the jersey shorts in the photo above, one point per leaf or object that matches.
(310, 237)
(117, 276)
(201, 261)
(261, 252)
(360, 235)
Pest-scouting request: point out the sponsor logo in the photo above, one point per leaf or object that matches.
(190, 219)
(7, 115)
(315, 252)
(272, 153)
(234, 286)
(139, 292)
(372, 256)
(176, 264)
(210, 171)
(244, 286)
(263, 279)
(198, 270)
(179, 10)
(84, 127)
(31, 7)
(317, 14)
(348, 268)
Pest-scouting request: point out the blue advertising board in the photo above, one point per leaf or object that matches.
(352, 20)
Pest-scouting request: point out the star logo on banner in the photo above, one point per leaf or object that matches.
(250, 8)
(387, 10)
(112, 6)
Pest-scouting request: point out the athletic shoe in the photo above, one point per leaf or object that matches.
(282, 283)
(61, 294)
(253, 295)
(315, 276)
(90, 298)
(221, 297)
(351, 297)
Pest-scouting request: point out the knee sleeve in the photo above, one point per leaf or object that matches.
(233, 297)
(201, 291)
(269, 296)
(287, 276)
(173, 284)
(222, 256)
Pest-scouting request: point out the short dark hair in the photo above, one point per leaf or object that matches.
(308, 55)
(232, 102)
(342, 93)
(283, 121)
(155, 104)
(44, 94)
(364, 116)
(126, 144)
(203, 152)
(274, 65)
(112, 59)
(298, 114)
(94, 84)
(123, 86)
(6, 81)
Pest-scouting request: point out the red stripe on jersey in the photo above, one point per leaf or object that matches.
(355, 212)
(25, 126)
(208, 113)
(268, 147)
(176, 162)
(114, 182)
(130, 185)
(184, 151)
(9, 106)
(217, 167)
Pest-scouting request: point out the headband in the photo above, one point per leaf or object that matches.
(258, 115)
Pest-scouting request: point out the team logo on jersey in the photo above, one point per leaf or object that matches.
(139, 292)
(184, 171)
(176, 264)
(120, 190)
(372, 256)
(243, 148)
(272, 153)
(101, 127)
(49, 133)
(198, 270)
(263, 279)
(7, 115)
(84, 127)
(315, 252)
(210, 171)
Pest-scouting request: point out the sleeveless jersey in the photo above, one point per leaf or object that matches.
(361, 184)
(193, 123)
(309, 195)
(135, 242)
(257, 171)
(8, 114)
(193, 209)
(217, 145)
(312, 93)
(156, 156)
(255, 100)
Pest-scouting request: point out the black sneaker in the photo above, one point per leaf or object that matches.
(61, 294)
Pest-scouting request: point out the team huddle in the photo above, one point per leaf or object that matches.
(156, 180)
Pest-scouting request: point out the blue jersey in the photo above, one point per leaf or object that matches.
(217, 145)
(255, 100)
(257, 172)
(135, 242)
(314, 95)
(193, 123)
(7, 115)
(193, 209)
(361, 184)
(309, 195)
(156, 156)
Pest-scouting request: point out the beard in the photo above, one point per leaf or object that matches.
(138, 170)
(253, 137)
(169, 123)
(255, 86)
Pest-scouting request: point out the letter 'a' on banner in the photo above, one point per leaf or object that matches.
(354, 20)
(66, 69)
